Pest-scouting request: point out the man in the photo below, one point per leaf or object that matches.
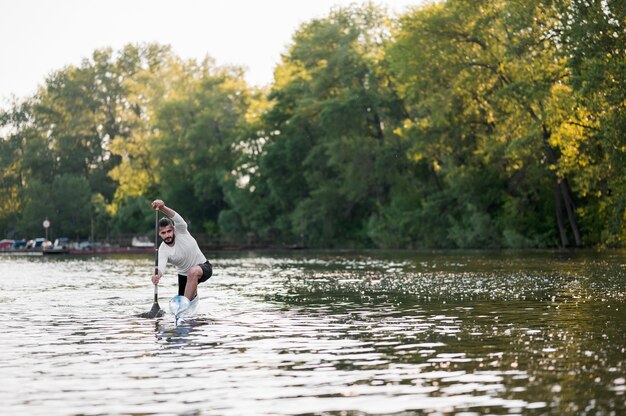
(180, 249)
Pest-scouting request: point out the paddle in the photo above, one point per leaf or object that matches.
(156, 310)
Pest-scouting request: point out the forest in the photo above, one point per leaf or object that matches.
(457, 124)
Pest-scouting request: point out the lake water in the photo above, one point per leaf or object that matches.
(319, 333)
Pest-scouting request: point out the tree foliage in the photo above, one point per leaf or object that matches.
(491, 90)
(456, 124)
(329, 155)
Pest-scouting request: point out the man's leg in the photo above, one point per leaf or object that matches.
(182, 284)
(193, 275)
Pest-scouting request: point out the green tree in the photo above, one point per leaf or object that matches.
(135, 216)
(329, 155)
(593, 39)
(152, 72)
(66, 203)
(487, 89)
(197, 126)
(71, 126)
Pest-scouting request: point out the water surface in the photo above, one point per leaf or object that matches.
(319, 333)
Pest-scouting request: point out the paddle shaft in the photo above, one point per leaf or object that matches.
(156, 253)
(156, 310)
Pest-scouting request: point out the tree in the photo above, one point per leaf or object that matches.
(135, 216)
(487, 87)
(151, 73)
(592, 35)
(197, 127)
(329, 154)
(66, 203)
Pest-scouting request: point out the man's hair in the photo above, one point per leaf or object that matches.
(164, 222)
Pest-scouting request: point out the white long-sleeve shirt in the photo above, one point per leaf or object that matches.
(185, 252)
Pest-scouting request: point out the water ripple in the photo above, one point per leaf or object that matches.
(318, 333)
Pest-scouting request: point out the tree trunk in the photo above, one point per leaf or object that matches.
(559, 215)
(562, 194)
(570, 208)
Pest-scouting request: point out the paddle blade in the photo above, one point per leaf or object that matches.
(155, 312)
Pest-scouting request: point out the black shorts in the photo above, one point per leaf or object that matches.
(207, 271)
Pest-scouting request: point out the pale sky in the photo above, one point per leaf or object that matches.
(38, 37)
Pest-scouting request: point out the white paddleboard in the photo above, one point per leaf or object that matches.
(182, 308)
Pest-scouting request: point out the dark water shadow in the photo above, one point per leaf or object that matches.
(188, 332)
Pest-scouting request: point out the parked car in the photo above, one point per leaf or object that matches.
(141, 241)
(6, 244)
(90, 245)
(61, 242)
(19, 244)
(36, 243)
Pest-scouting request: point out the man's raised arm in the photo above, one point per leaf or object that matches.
(159, 205)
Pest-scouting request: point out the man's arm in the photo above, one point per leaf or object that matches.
(160, 268)
(179, 222)
(159, 205)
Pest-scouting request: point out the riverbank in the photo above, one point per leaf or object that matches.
(78, 252)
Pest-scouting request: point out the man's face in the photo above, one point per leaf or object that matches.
(167, 234)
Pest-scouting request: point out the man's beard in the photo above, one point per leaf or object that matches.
(169, 241)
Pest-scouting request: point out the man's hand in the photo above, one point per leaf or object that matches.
(155, 279)
(157, 204)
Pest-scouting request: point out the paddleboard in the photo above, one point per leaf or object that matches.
(182, 308)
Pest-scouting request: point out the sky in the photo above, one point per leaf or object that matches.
(38, 37)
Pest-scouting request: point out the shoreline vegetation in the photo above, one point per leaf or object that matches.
(455, 125)
(269, 247)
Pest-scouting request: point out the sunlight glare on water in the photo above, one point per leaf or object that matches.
(318, 333)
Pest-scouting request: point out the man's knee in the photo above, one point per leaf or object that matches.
(194, 273)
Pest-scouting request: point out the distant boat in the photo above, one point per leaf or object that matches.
(56, 250)
(60, 246)
(141, 241)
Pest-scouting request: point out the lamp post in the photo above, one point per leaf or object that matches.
(46, 225)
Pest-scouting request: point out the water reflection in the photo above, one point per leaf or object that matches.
(320, 333)
(187, 333)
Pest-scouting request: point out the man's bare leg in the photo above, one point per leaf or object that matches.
(193, 275)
